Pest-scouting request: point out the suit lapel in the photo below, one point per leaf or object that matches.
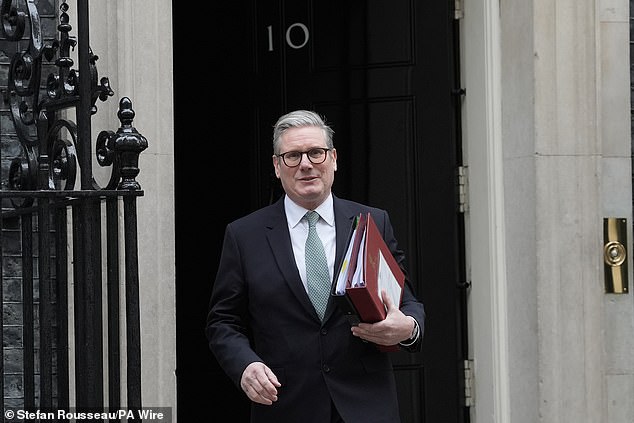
(280, 243)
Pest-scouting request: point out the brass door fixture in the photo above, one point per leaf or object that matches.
(615, 255)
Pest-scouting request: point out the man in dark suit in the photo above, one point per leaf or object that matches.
(295, 361)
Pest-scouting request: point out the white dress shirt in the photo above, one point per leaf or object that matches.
(298, 228)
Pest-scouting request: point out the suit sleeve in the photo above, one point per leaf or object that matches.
(226, 327)
(410, 305)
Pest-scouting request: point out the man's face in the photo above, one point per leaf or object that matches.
(307, 184)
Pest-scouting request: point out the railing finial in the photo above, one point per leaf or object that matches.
(128, 144)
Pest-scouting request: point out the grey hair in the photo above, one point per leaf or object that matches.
(298, 119)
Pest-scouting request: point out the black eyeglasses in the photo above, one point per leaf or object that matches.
(294, 158)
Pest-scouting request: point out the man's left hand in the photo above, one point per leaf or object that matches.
(395, 328)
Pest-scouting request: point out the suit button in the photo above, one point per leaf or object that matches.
(324, 332)
(325, 368)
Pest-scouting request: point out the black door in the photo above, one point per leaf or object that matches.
(383, 73)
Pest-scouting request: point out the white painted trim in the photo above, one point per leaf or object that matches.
(495, 183)
(486, 258)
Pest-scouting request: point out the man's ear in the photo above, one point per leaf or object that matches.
(333, 153)
(276, 166)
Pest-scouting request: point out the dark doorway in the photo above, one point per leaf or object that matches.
(383, 73)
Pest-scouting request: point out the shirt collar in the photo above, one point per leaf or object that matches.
(295, 212)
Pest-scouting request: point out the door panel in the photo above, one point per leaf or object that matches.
(382, 73)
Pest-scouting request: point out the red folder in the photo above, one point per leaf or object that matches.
(379, 271)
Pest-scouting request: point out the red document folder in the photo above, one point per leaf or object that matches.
(379, 270)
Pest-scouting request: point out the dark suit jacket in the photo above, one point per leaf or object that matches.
(260, 311)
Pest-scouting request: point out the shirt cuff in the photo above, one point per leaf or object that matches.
(415, 334)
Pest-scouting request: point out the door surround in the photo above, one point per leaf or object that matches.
(485, 218)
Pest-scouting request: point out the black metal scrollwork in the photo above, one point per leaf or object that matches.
(51, 144)
(63, 158)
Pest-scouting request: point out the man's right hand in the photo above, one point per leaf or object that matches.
(260, 383)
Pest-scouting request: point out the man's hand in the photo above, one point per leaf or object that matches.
(395, 328)
(260, 383)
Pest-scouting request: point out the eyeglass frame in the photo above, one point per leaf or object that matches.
(301, 153)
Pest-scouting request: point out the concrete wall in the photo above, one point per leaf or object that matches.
(547, 114)
(614, 116)
(133, 40)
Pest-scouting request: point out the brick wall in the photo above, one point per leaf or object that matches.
(12, 296)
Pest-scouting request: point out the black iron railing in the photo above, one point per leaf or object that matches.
(61, 257)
